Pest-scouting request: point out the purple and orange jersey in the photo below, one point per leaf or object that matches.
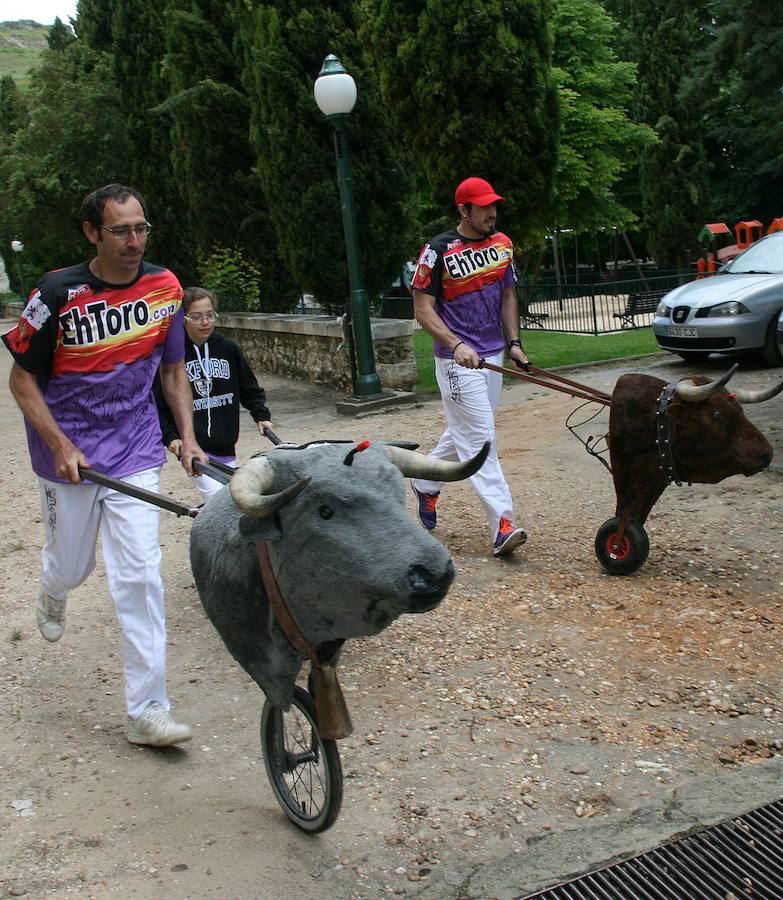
(95, 349)
(467, 278)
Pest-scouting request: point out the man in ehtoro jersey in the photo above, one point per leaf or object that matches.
(86, 350)
(464, 294)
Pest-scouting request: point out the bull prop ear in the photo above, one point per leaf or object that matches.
(334, 720)
(251, 489)
(417, 465)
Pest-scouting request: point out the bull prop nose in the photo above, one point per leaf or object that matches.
(764, 460)
(429, 588)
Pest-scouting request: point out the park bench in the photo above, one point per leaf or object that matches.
(639, 303)
(532, 319)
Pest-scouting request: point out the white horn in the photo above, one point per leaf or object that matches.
(759, 396)
(417, 465)
(250, 488)
(694, 392)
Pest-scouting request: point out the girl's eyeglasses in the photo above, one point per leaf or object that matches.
(198, 318)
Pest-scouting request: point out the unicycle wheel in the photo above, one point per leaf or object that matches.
(303, 768)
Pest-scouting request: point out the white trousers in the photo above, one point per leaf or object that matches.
(470, 397)
(73, 514)
(207, 486)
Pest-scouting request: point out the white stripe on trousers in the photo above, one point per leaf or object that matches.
(73, 514)
(470, 397)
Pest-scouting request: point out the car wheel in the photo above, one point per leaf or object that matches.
(773, 350)
(692, 355)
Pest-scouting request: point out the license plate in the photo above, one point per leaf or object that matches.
(681, 331)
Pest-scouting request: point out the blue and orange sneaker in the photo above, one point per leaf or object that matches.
(427, 503)
(509, 537)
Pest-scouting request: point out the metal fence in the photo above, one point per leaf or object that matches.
(597, 308)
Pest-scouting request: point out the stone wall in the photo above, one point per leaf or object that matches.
(310, 348)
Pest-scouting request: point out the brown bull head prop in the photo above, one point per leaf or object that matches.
(694, 431)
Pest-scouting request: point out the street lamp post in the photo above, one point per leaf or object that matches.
(17, 247)
(335, 94)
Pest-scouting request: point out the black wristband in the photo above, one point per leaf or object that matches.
(515, 343)
(455, 347)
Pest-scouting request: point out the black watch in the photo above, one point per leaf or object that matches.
(515, 343)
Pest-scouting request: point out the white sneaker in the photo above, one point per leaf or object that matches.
(155, 728)
(50, 614)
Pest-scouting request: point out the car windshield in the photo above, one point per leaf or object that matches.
(766, 256)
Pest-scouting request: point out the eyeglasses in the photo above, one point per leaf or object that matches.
(198, 318)
(123, 232)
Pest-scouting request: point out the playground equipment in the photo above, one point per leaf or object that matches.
(718, 251)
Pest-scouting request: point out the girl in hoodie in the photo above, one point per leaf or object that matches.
(220, 380)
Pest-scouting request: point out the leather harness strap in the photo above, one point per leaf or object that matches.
(663, 439)
(284, 618)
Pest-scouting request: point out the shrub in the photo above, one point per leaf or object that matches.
(235, 280)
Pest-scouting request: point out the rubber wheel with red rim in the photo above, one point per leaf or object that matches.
(626, 556)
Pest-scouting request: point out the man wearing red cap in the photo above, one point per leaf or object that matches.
(464, 293)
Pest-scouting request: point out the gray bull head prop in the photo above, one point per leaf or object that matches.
(347, 556)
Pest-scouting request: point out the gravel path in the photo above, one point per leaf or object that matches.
(542, 695)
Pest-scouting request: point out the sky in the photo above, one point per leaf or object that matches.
(41, 11)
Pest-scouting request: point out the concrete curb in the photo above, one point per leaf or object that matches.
(558, 856)
(614, 363)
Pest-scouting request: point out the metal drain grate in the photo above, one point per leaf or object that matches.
(739, 858)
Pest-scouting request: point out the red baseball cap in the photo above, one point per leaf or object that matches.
(476, 190)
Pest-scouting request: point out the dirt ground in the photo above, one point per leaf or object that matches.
(542, 695)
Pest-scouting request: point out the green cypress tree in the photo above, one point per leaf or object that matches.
(138, 44)
(674, 172)
(209, 115)
(74, 140)
(93, 23)
(59, 35)
(470, 89)
(283, 45)
(13, 110)
(738, 85)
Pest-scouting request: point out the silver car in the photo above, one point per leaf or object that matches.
(734, 311)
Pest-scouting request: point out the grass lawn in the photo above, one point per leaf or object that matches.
(548, 349)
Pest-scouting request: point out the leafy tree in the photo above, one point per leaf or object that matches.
(673, 172)
(59, 36)
(283, 45)
(598, 141)
(75, 140)
(470, 89)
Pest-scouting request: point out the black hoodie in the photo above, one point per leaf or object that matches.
(216, 399)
